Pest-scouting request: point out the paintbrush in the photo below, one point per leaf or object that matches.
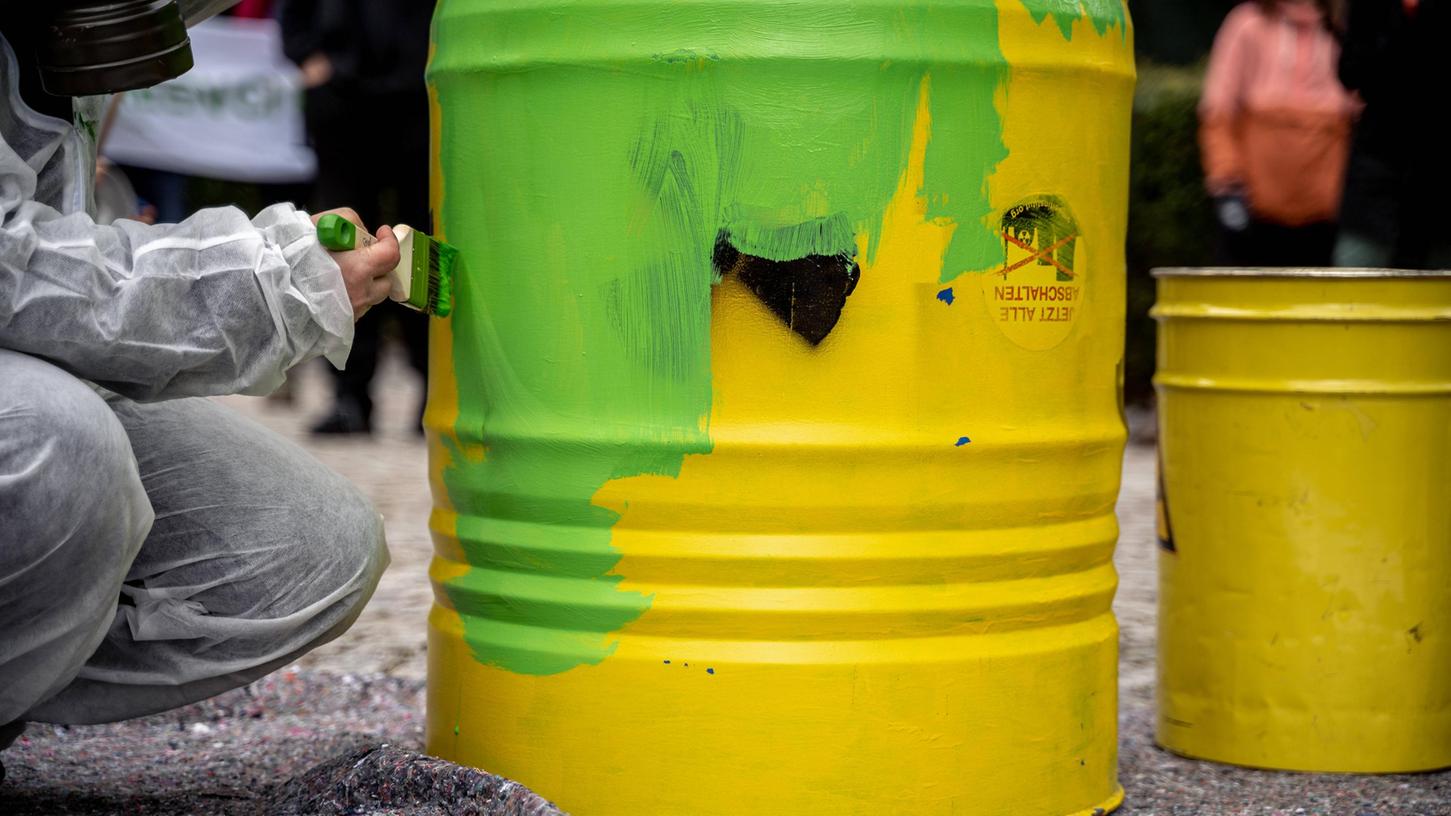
(423, 278)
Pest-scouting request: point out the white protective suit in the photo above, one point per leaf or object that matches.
(154, 550)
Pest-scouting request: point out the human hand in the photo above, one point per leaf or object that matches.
(115, 197)
(317, 70)
(365, 269)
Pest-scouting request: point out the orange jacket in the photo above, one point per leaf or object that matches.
(1274, 120)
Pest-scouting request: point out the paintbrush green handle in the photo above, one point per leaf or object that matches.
(339, 234)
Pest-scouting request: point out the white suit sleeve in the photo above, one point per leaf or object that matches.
(216, 304)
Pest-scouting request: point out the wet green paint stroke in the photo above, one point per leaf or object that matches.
(586, 186)
(1101, 14)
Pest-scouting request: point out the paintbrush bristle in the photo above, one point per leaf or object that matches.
(425, 273)
(441, 260)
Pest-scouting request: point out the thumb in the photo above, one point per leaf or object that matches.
(384, 251)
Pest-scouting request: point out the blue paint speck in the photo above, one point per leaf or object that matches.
(710, 671)
(962, 440)
(946, 296)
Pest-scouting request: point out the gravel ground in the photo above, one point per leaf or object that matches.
(308, 739)
(295, 742)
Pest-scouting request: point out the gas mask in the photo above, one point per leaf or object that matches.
(87, 47)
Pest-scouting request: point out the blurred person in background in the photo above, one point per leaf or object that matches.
(367, 106)
(1395, 206)
(1274, 132)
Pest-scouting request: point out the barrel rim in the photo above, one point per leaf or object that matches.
(1343, 272)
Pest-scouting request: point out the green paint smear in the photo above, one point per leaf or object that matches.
(1102, 14)
(591, 156)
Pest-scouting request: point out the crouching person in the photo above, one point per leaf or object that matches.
(155, 548)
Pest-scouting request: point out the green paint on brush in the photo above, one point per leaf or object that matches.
(592, 153)
(1101, 14)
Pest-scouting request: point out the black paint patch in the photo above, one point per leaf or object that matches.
(808, 294)
(1164, 527)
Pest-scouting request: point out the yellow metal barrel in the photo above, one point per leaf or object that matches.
(1305, 571)
(775, 435)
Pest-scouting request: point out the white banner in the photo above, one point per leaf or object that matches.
(237, 115)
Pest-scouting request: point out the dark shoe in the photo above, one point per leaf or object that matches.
(344, 419)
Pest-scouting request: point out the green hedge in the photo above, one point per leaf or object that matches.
(1170, 219)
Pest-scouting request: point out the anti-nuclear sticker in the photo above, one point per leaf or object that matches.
(1037, 294)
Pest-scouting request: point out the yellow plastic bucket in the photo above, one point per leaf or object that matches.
(1305, 571)
(775, 435)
